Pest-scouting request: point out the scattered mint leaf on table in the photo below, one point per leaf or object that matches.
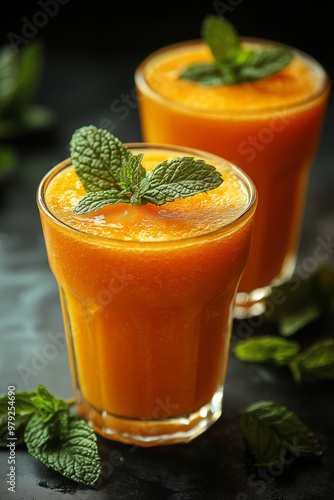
(271, 430)
(23, 402)
(72, 453)
(317, 362)
(52, 434)
(301, 301)
(266, 349)
(112, 174)
(232, 63)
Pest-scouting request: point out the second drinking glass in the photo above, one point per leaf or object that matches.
(269, 128)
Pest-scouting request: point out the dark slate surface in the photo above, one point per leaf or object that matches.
(81, 89)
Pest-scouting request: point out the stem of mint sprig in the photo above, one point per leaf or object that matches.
(111, 174)
(233, 63)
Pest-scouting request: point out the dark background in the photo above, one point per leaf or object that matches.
(102, 32)
(92, 50)
(109, 27)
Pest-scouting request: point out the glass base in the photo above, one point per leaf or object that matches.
(153, 432)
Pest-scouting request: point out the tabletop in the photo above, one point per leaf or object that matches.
(84, 89)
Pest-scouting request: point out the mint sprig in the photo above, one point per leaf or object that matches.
(232, 63)
(273, 432)
(112, 174)
(315, 363)
(52, 434)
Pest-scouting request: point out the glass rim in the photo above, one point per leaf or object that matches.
(146, 89)
(226, 228)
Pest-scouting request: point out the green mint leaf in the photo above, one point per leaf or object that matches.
(9, 71)
(75, 454)
(179, 178)
(95, 200)
(8, 158)
(45, 401)
(234, 64)
(317, 362)
(272, 430)
(132, 173)
(23, 403)
(24, 409)
(221, 37)
(19, 76)
(31, 60)
(266, 350)
(263, 63)
(297, 302)
(98, 158)
(207, 74)
(54, 426)
(101, 161)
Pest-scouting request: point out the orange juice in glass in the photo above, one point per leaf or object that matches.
(147, 294)
(270, 128)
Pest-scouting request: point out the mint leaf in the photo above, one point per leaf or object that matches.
(317, 362)
(207, 73)
(263, 62)
(8, 159)
(54, 436)
(95, 200)
(75, 454)
(221, 37)
(23, 403)
(232, 63)
(24, 408)
(301, 300)
(19, 76)
(179, 178)
(45, 401)
(98, 158)
(9, 71)
(54, 426)
(132, 173)
(271, 430)
(266, 349)
(31, 60)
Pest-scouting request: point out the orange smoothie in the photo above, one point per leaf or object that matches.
(269, 128)
(147, 294)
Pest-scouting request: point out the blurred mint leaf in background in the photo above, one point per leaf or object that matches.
(19, 78)
(266, 349)
(297, 302)
(7, 161)
(234, 63)
(317, 361)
